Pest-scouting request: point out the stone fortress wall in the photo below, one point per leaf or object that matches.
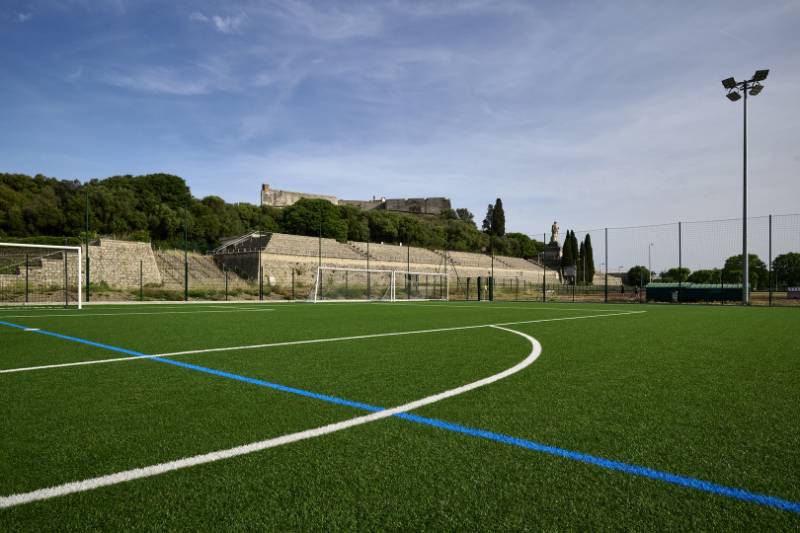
(423, 206)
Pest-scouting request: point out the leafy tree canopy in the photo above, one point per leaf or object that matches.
(786, 269)
(158, 207)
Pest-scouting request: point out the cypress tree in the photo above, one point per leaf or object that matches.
(581, 257)
(567, 252)
(589, 259)
(498, 219)
(573, 242)
(487, 221)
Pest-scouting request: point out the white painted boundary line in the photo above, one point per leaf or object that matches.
(309, 341)
(196, 311)
(161, 468)
(496, 307)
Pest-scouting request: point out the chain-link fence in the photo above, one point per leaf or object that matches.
(684, 262)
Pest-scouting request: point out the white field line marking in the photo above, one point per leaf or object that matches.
(496, 307)
(307, 341)
(161, 468)
(105, 307)
(31, 329)
(81, 315)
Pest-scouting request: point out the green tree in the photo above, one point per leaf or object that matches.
(356, 220)
(637, 276)
(705, 276)
(306, 216)
(675, 275)
(520, 245)
(465, 215)
(498, 219)
(488, 219)
(786, 269)
(568, 255)
(448, 214)
(573, 243)
(587, 247)
(732, 271)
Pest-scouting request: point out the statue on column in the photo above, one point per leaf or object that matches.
(554, 232)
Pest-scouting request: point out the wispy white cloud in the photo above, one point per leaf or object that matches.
(328, 21)
(24, 17)
(228, 24)
(157, 80)
(223, 24)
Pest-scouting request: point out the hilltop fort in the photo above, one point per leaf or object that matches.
(422, 206)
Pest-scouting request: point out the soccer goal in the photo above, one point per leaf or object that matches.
(352, 284)
(38, 274)
(364, 285)
(420, 286)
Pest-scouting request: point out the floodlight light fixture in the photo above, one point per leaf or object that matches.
(729, 83)
(733, 96)
(760, 75)
(757, 88)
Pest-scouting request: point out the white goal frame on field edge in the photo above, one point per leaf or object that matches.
(78, 249)
(394, 274)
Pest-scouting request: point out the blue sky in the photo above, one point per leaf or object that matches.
(593, 113)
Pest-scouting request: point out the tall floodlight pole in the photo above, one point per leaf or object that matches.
(649, 264)
(753, 87)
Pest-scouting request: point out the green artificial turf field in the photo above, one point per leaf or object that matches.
(632, 417)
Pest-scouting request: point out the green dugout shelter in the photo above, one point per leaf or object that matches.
(693, 292)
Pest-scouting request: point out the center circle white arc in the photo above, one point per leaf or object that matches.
(162, 468)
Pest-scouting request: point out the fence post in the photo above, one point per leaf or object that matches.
(66, 280)
(641, 284)
(544, 279)
(769, 272)
(186, 261)
(260, 282)
(605, 298)
(368, 273)
(88, 263)
(516, 292)
(26, 277)
(680, 261)
(141, 280)
(225, 270)
(293, 296)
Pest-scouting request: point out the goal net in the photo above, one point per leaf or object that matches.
(36, 274)
(352, 284)
(420, 286)
(363, 285)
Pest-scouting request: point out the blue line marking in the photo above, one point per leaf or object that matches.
(685, 481)
(275, 386)
(608, 464)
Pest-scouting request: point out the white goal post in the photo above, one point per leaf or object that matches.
(344, 284)
(40, 274)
